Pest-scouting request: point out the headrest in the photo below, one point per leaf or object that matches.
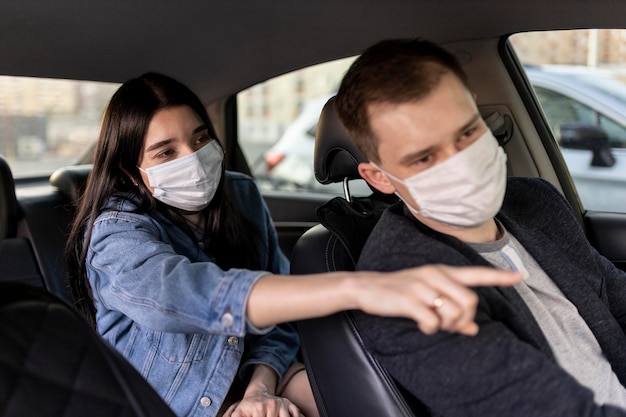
(9, 210)
(336, 157)
(71, 180)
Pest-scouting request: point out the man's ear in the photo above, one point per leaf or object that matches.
(376, 178)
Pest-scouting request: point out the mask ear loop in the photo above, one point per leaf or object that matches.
(388, 175)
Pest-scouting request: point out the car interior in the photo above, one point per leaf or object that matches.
(221, 49)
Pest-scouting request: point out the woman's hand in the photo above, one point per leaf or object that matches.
(263, 404)
(437, 297)
(259, 399)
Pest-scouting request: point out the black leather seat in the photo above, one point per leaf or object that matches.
(52, 364)
(45, 221)
(17, 260)
(347, 381)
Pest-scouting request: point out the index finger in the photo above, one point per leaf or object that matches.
(481, 276)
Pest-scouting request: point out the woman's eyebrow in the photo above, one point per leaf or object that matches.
(159, 144)
(200, 128)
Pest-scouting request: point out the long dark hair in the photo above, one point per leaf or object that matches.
(119, 147)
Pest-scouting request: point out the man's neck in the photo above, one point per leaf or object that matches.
(487, 232)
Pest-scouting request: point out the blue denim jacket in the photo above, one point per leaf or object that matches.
(173, 313)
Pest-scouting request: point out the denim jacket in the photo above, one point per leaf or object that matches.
(173, 313)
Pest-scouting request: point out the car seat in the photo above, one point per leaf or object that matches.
(53, 364)
(346, 380)
(17, 260)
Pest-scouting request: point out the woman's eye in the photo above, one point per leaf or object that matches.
(203, 139)
(164, 154)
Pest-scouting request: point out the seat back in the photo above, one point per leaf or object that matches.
(46, 220)
(346, 380)
(17, 260)
(9, 210)
(53, 364)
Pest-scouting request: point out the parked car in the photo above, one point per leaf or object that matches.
(586, 109)
(578, 101)
(228, 51)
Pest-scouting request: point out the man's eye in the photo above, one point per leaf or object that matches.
(468, 133)
(424, 160)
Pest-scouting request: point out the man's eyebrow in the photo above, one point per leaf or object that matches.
(469, 124)
(415, 156)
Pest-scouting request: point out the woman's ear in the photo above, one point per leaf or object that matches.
(376, 178)
(132, 179)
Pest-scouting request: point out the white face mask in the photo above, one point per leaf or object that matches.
(466, 190)
(188, 183)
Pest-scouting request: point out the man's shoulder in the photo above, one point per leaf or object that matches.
(396, 242)
(534, 198)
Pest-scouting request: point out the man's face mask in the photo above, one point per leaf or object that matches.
(466, 190)
(188, 183)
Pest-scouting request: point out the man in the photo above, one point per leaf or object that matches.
(553, 345)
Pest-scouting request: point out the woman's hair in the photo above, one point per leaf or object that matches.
(115, 170)
(392, 71)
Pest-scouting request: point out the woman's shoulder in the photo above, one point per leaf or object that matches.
(120, 206)
(242, 186)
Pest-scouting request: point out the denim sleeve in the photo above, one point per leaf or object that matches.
(278, 348)
(132, 270)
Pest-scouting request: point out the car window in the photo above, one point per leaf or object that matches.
(579, 79)
(47, 123)
(276, 128)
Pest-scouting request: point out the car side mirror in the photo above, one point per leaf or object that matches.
(588, 137)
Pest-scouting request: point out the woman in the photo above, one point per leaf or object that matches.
(176, 263)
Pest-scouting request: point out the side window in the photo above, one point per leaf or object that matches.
(46, 123)
(579, 79)
(276, 127)
(561, 109)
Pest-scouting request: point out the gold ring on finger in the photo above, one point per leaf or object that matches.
(438, 301)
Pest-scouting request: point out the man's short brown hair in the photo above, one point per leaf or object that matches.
(392, 71)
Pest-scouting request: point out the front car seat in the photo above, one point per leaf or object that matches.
(346, 380)
(52, 364)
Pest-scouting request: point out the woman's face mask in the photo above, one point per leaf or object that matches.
(464, 191)
(188, 183)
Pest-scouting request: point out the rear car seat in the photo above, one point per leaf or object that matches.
(46, 220)
(17, 260)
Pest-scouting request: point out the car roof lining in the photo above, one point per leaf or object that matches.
(212, 45)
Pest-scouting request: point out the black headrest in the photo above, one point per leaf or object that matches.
(336, 157)
(71, 180)
(9, 211)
